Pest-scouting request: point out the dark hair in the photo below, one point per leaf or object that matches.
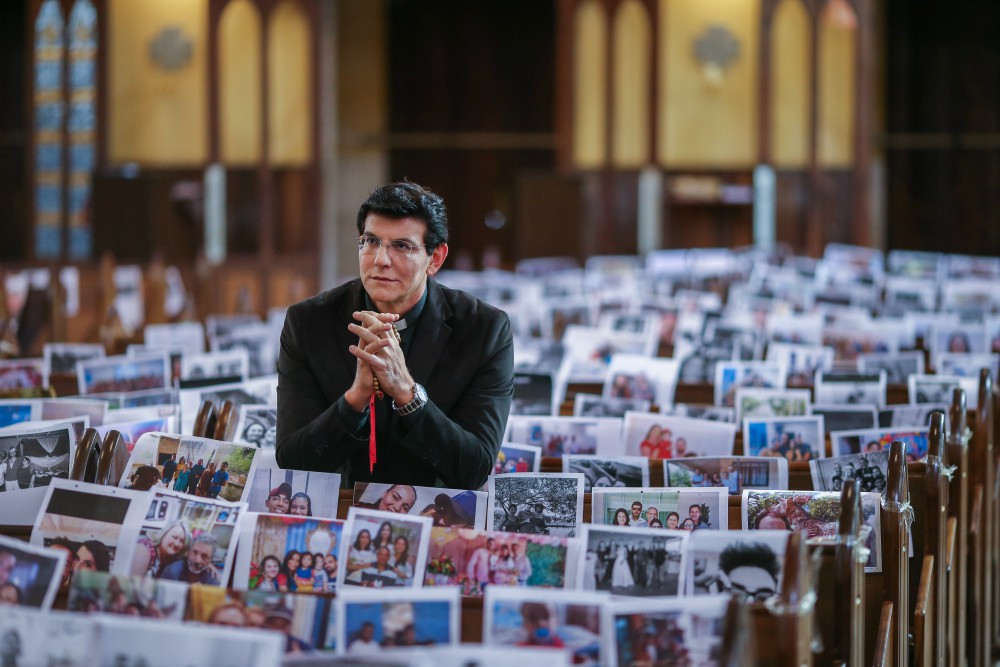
(377, 540)
(620, 510)
(101, 554)
(267, 558)
(288, 557)
(309, 502)
(535, 612)
(357, 539)
(409, 200)
(403, 557)
(636, 502)
(749, 554)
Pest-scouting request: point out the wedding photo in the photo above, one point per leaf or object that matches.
(632, 561)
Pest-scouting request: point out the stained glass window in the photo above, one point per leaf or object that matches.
(82, 123)
(49, 110)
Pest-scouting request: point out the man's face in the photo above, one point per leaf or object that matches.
(636, 511)
(398, 499)
(695, 514)
(394, 281)
(368, 631)
(7, 563)
(753, 583)
(277, 504)
(651, 514)
(199, 557)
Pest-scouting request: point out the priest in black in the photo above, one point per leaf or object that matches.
(435, 365)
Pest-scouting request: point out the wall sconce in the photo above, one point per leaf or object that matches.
(715, 49)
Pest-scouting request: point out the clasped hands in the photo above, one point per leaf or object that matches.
(380, 356)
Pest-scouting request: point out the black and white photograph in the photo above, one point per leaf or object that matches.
(31, 457)
(659, 436)
(186, 337)
(741, 563)
(30, 575)
(939, 389)
(897, 367)
(259, 342)
(755, 402)
(801, 362)
(514, 457)
(662, 508)
(668, 631)
(294, 492)
(369, 621)
(877, 439)
(906, 414)
(122, 373)
(644, 378)
(594, 405)
(733, 473)
(850, 388)
(257, 426)
(220, 326)
(846, 417)
(531, 617)
(792, 438)
(32, 637)
(534, 394)
(632, 561)
(817, 513)
(207, 365)
(733, 375)
(260, 391)
(61, 358)
(445, 507)
(94, 592)
(968, 365)
(599, 471)
(384, 550)
(566, 435)
(542, 503)
(867, 469)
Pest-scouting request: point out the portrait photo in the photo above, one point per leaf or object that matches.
(294, 492)
(673, 509)
(668, 631)
(397, 618)
(101, 375)
(257, 426)
(588, 351)
(643, 378)
(445, 507)
(848, 344)
(741, 563)
(791, 438)
(869, 470)
(963, 338)
(566, 435)
(731, 375)
(101, 592)
(733, 473)
(258, 340)
(632, 561)
(288, 554)
(515, 457)
(30, 575)
(384, 550)
(660, 436)
(540, 504)
(571, 620)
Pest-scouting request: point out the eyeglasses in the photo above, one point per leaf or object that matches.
(369, 245)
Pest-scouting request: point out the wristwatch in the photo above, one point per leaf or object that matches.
(418, 401)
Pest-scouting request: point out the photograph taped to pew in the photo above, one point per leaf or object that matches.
(849, 343)
(31, 457)
(868, 470)
(70, 409)
(968, 365)
(795, 329)
(474, 559)
(742, 563)
(566, 435)
(539, 503)
(23, 374)
(733, 375)
(600, 471)
(791, 438)
(643, 378)
(755, 402)
(383, 549)
(288, 554)
(534, 394)
(257, 426)
(226, 467)
(846, 417)
(850, 387)
(668, 631)
(228, 364)
(903, 415)
(938, 389)
(30, 575)
(817, 513)
(588, 351)
(133, 430)
(18, 410)
(368, 621)
(632, 561)
(296, 492)
(307, 621)
(733, 473)
(897, 367)
(123, 373)
(958, 338)
(61, 358)
(446, 507)
(674, 509)
(801, 362)
(515, 457)
(593, 405)
(260, 343)
(666, 437)
(102, 592)
(705, 411)
(878, 439)
(33, 637)
(571, 620)
(556, 316)
(260, 391)
(187, 337)
(124, 640)
(137, 399)
(183, 538)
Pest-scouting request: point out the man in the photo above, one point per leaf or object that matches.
(530, 519)
(749, 569)
(636, 518)
(365, 642)
(478, 569)
(219, 480)
(522, 563)
(459, 510)
(695, 513)
(652, 514)
(279, 617)
(279, 499)
(169, 466)
(445, 385)
(197, 568)
(194, 476)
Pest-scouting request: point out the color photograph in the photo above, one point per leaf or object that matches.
(517, 458)
(119, 374)
(660, 436)
(294, 492)
(673, 509)
(384, 550)
(101, 592)
(288, 554)
(731, 473)
(866, 441)
(566, 435)
(30, 575)
(668, 632)
(445, 507)
(372, 620)
(791, 438)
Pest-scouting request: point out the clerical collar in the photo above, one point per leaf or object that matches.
(410, 318)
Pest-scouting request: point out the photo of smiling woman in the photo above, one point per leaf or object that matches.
(287, 553)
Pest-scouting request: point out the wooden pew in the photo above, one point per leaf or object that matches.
(204, 422)
(113, 460)
(784, 630)
(85, 461)
(931, 505)
(982, 520)
(897, 517)
(225, 426)
(958, 511)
